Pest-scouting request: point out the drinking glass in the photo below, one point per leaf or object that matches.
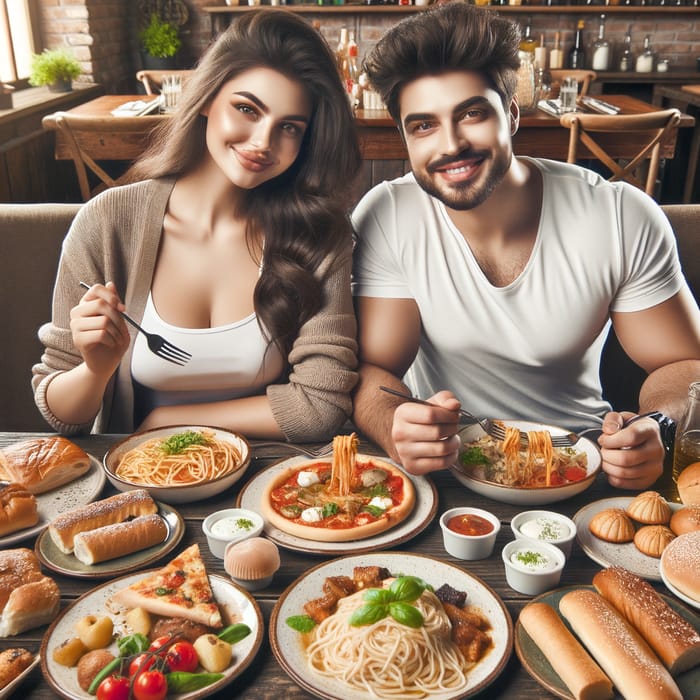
(568, 93)
(170, 90)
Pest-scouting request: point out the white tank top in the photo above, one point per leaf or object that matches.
(227, 362)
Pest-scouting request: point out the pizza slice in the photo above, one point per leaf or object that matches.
(180, 589)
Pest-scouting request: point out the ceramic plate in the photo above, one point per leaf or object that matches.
(422, 515)
(287, 644)
(50, 555)
(608, 553)
(535, 663)
(10, 688)
(530, 496)
(236, 606)
(76, 493)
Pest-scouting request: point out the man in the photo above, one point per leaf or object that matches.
(497, 277)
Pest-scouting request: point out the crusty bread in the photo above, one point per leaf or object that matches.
(115, 509)
(688, 484)
(680, 563)
(674, 640)
(574, 665)
(12, 663)
(112, 541)
(43, 464)
(29, 606)
(17, 567)
(685, 519)
(619, 649)
(18, 508)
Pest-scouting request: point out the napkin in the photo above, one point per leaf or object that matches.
(136, 108)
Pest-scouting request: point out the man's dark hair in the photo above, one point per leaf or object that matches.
(452, 37)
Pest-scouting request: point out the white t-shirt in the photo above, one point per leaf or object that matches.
(530, 349)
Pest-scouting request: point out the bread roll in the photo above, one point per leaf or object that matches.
(115, 509)
(618, 647)
(653, 539)
(582, 676)
(12, 663)
(680, 563)
(29, 606)
(649, 508)
(686, 519)
(612, 525)
(17, 567)
(674, 640)
(43, 464)
(17, 508)
(112, 541)
(688, 484)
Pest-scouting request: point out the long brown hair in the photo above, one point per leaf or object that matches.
(302, 213)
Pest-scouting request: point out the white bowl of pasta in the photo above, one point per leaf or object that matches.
(178, 464)
(521, 478)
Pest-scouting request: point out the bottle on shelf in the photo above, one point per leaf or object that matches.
(341, 51)
(645, 60)
(600, 60)
(626, 57)
(686, 449)
(353, 68)
(528, 43)
(556, 55)
(541, 55)
(577, 55)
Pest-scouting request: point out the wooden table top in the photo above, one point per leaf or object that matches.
(265, 679)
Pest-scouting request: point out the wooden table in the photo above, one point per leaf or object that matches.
(265, 679)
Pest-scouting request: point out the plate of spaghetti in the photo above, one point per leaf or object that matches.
(391, 625)
(534, 475)
(178, 464)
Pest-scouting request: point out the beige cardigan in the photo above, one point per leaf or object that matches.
(116, 237)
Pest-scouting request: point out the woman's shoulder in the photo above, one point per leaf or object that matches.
(133, 193)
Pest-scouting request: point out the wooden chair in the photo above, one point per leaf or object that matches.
(584, 78)
(655, 125)
(88, 138)
(153, 79)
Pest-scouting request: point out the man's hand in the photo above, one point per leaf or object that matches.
(632, 456)
(425, 437)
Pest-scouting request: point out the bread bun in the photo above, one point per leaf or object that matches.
(43, 464)
(18, 508)
(12, 663)
(688, 484)
(17, 566)
(653, 539)
(680, 564)
(685, 519)
(252, 559)
(612, 525)
(649, 508)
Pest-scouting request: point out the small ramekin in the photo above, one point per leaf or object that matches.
(217, 542)
(533, 581)
(564, 542)
(469, 546)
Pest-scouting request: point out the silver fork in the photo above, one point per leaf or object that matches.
(493, 428)
(312, 452)
(157, 344)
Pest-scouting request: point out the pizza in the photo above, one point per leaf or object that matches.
(180, 589)
(349, 498)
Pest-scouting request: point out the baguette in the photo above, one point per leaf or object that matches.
(18, 508)
(619, 649)
(581, 675)
(674, 640)
(43, 464)
(115, 509)
(112, 541)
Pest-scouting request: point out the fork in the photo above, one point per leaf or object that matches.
(157, 344)
(312, 452)
(493, 428)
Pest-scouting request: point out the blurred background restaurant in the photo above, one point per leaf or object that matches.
(646, 49)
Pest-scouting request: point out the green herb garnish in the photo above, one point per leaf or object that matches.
(380, 490)
(530, 558)
(234, 633)
(301, 623)
(394, 601)
(245, 523)
(330, 509)
(473, 455)
(179, 442)
(161, 590)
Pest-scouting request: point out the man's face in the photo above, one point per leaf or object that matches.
(458, 137)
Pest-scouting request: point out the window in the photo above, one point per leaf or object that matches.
(16, 40)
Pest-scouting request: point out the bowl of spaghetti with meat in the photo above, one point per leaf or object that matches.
(178, 464)
(535, 474)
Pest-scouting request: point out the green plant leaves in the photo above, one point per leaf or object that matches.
(394, 601)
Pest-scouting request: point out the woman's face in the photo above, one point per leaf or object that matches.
(255, 126)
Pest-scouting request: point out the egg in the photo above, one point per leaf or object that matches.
(252, 562)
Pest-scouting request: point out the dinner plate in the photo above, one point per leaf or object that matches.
(421, 516)
(536, 664)
(676, 592)
(11, 687)
(75, 493)
(51, 556)
(236, 605)
(609, 553)
(287, 644)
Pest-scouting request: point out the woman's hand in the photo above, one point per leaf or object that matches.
(633, 456)
(99, 331)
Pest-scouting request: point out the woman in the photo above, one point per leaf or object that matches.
(231, 241)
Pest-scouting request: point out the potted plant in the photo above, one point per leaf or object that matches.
(57, 68)
(161, 41)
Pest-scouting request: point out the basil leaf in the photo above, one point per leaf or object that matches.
(368, 614)
(132, 644)
(379, 490)
(330, 509)
(234, 633)
(183, 682)
(301, 623)
(378, 595)
(179, 442)
(473, 455)
(407, 588)
(374, 511)
(406, 614)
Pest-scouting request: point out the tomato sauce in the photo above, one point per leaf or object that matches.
(470, 524)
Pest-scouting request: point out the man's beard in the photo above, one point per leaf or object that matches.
(463, 196)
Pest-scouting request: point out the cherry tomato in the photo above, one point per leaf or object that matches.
(113, 688)
(159, 643)
(182, 657)
(150, 685)
(575, 473)
(136, 665)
